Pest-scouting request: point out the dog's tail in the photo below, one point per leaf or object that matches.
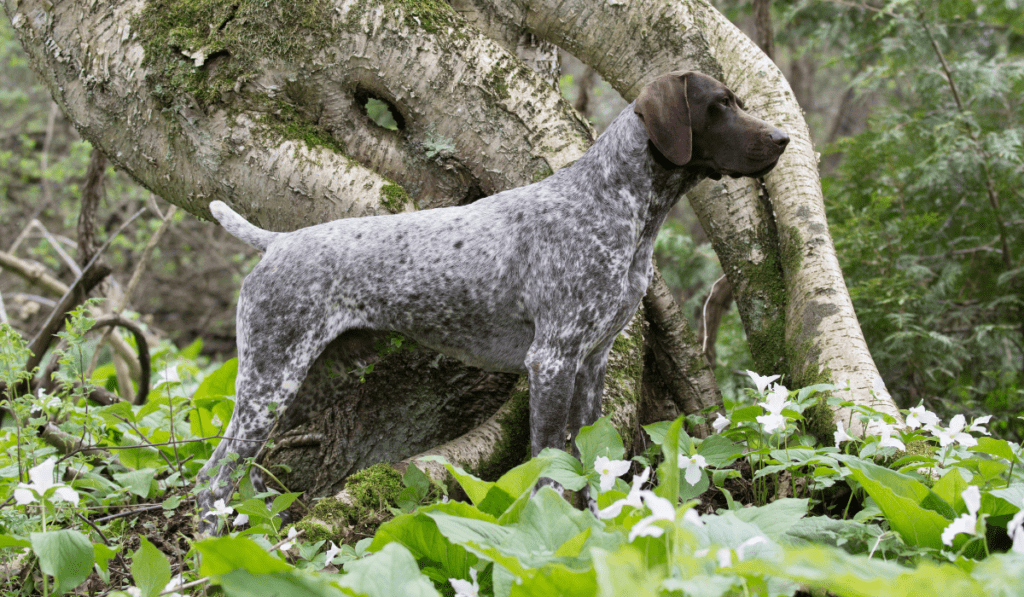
(240, 228)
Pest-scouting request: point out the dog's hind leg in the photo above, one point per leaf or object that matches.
(270, 371)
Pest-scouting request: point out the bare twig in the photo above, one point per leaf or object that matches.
(91, 275)
(990, 189)
(33, 273)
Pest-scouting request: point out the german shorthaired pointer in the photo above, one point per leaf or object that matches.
(536, 280)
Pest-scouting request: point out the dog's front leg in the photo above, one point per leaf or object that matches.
(586, 406)
(551, 374)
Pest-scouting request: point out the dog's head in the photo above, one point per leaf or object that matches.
(694, 120)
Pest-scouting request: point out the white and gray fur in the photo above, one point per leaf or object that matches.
(536, 280)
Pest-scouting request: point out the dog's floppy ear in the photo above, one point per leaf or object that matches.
(665, 112)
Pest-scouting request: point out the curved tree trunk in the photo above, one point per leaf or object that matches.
(777, 251)
(263, 107)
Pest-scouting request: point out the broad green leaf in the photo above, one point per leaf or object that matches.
(746, 414)
(476, 489)
(287, 583)
(912, 509)
(557, 579)
(222, 555)
(834, 570)
(657, 431)
(599, 439)
(668, 471)
(625, 572)
(14, 541)
(419, 534)
(65, 555)
(282, 502)
(949, 488)
(102, 556)
(776, 518)
(1007, 500)
(219, 383)
(999, 448)
(150, 569)
(391, 572)
(719, 451)
(139, 482)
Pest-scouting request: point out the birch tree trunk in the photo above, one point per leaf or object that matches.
(776, 250)
(263, 107)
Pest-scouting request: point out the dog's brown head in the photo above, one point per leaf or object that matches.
(694, 120)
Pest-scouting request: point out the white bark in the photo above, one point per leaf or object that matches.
(631, 43)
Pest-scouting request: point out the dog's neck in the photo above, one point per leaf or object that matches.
(645, 183)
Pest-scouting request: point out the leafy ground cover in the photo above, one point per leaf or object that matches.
(759, 508)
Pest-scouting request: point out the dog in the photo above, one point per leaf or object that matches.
(537, 280)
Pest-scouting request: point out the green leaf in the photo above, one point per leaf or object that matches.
(625, 572)
(282, 502)
(599, 439)
(222, 555)
(14, 541)
(388, 573)
(949, 488)
(419, 534)
(776, 518)
(288, 583)
(657, 431)
(668, 471)
(719, 451)
(102, 556)
(912, 509)
(140, 482)
(417, 480)
(219, 383)
(150, 569)
(999, 448)
(65, 555)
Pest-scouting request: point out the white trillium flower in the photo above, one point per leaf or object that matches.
(169, 374)
(955, 433)
(464, 588)
(841, 435)
(633, 499)
(720, 423)
(966, 522)
(220, 509)
(761, 381)
(610, 470)
(331, 553)
(888, 441)
(1015, 529)
(921, 417)
(41, 476)
(775, 403)
(291, 539)
(693, 465)
(979, 424)
(661, 509)
(240, 520)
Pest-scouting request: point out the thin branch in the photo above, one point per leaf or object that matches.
(91, 275)
(990, 189)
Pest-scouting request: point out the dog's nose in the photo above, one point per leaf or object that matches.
(779, 137)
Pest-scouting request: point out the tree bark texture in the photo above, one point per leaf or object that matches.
(778, 255)
(263, 106)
